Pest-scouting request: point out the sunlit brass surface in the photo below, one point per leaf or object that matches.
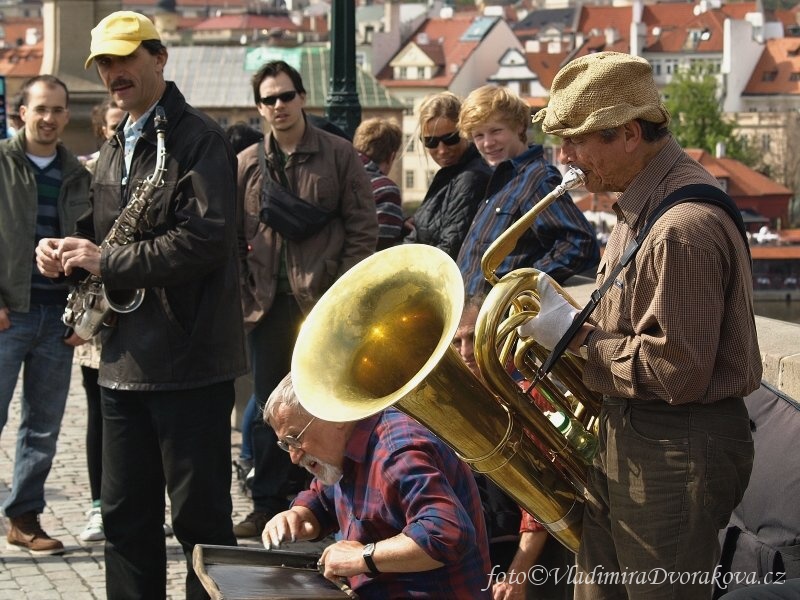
(505, 243)
(499, 352)
(381, 336)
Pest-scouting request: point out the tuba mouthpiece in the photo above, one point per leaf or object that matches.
(573, 178)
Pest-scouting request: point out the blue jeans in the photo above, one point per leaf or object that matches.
(248, 417)
(35, 340)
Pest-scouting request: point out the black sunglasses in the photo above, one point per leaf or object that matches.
(450, 139)
(284, 97)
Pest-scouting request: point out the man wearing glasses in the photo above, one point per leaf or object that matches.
(43, 192)
(561, 241)
(406, 509)
(284, 275)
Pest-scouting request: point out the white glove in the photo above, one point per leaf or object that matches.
(554, 318)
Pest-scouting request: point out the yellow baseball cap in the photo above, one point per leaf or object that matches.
(120, 34)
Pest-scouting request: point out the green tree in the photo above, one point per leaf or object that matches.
(697, 119)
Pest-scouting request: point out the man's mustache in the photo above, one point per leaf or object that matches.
(120, 83)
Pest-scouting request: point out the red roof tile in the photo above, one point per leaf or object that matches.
(445, 36)
(25, 61)
(16, 28)
(779, 62)
(246, 21)
(546, 65)
(600, 18)
(761, 252)
(742, 180)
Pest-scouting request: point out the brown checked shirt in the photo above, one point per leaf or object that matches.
(677, 325)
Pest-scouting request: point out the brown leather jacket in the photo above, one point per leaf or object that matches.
(325, 170)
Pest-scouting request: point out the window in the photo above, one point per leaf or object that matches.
(795, 76)
(255, 123)
(402, 73)
(769, 75)
(524, 88)
(671, 65)
(765, 142)
(409, 142)
(409, 185)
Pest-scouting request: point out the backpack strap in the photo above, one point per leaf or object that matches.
(696, 192)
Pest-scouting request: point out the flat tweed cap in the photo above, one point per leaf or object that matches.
(601, 91)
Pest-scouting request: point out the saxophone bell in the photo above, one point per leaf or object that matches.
(123, 301)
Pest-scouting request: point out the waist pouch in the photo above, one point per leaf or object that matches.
(291, 216)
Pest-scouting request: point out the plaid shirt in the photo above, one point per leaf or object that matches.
(677, 325)
(399, 477)
(561, 241)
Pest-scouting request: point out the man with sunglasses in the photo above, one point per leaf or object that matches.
(283, 276)
(561, 242)
(406, 509)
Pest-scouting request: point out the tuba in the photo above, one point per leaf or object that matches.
(90, 304)
(386, 327)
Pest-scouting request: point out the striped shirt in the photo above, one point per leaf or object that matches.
(388, 204)
(400, 478)
(48, 186)
(677, 325)
(561, 241)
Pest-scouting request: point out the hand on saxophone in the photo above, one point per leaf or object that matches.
(79, 253)
(554, 318)
(48, 260)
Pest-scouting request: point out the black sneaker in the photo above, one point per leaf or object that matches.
(243, 466)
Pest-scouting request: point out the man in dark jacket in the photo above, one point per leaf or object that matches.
(167, 368)
(43, 191)
(284, 275)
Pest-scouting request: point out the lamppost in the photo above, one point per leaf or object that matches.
(343, 108)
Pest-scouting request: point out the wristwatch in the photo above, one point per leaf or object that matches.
(584, 348)
(369, 549)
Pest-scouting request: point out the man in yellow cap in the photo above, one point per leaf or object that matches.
(672, 346)
(167, 368)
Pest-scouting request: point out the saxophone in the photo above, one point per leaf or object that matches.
(90, 304)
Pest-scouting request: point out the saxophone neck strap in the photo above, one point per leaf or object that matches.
(696, 192)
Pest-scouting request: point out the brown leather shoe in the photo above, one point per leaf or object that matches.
(252, 525)
(27, 535)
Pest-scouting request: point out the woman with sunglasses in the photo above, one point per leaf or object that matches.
(446, 213)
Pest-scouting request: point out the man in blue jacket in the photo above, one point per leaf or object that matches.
(561, 242)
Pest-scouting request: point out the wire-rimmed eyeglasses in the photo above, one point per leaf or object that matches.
(293, 441)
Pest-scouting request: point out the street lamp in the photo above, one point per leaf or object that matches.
(343, 108)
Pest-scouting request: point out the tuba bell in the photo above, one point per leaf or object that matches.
(382, 336)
